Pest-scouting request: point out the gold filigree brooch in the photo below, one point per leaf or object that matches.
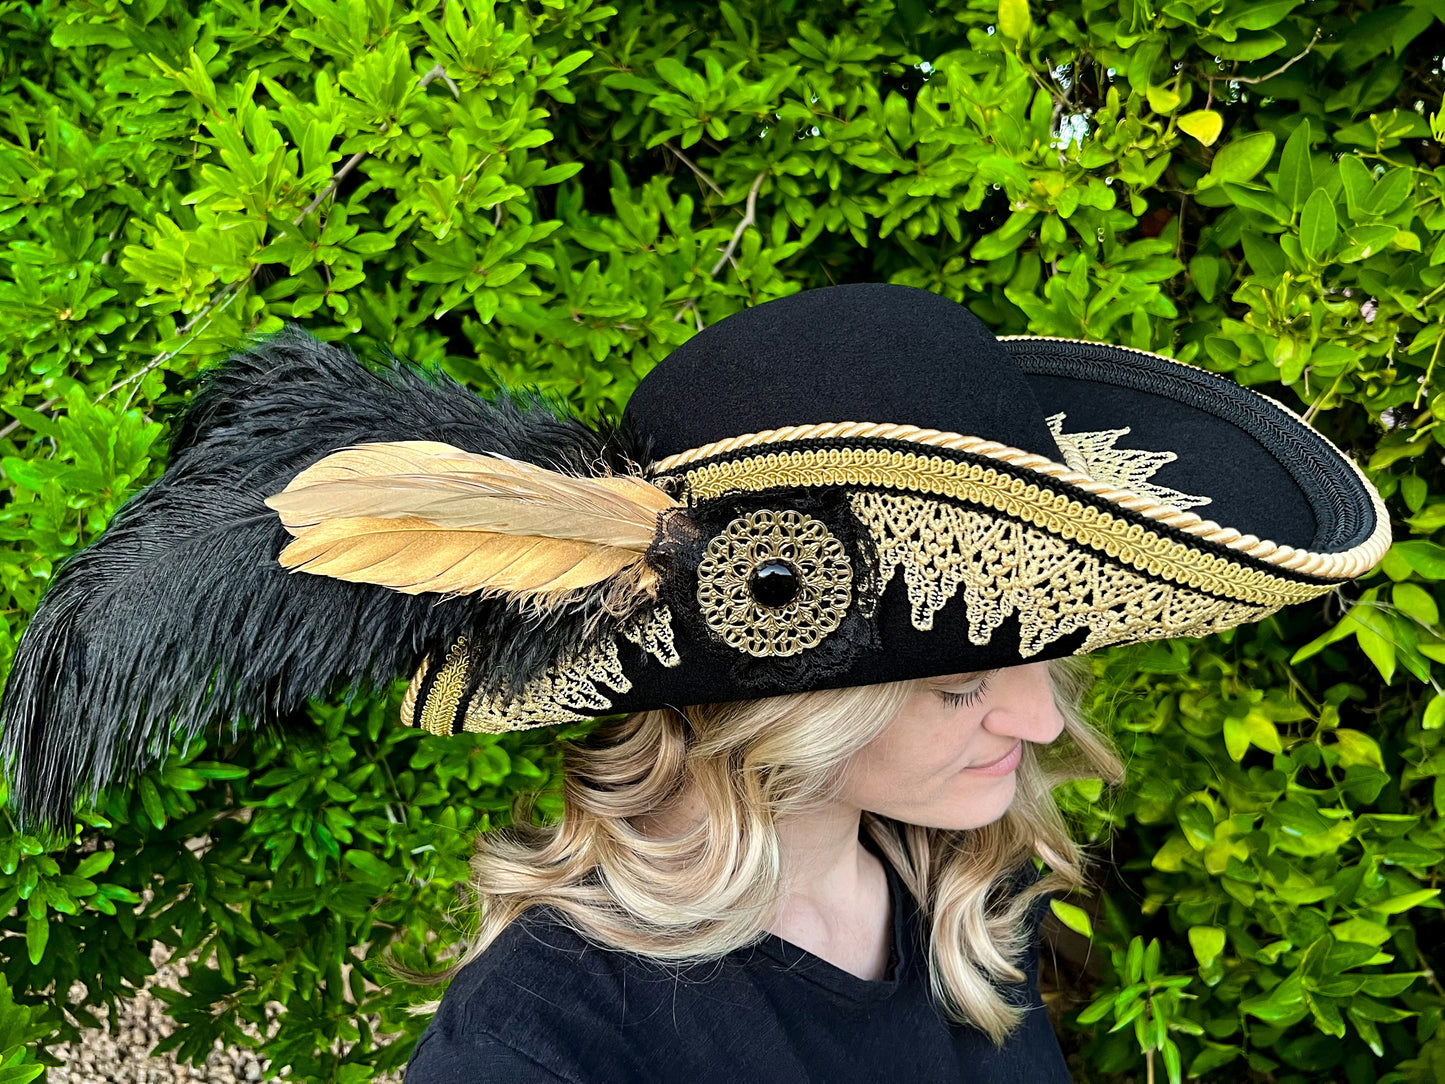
(774, 583)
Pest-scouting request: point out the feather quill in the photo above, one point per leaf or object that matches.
(423, 516)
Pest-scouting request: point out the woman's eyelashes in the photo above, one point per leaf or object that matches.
(964, 699)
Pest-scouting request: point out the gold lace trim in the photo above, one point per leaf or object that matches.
(1096, 454)
(555, 696)
(803, 543)
(1128, 543)
(1005, 568)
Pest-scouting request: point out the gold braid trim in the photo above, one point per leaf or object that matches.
(408, 700)
(1056, 513)
(1346, 565)
(446, 692)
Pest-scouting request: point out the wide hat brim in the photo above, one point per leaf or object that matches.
(990, 502)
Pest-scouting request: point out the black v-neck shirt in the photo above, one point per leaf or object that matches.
(543, 1005)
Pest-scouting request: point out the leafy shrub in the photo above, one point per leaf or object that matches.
(561, 193)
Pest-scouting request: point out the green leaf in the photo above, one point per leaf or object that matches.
(1357, 181)
(1240, 159)
(150, 799)
(1014, 19)
(1263, 15)
(1252, 45)
(1207, 943)
(37, 935)
(1356, 747)
(1284, 1004)
(1296, 176)
(369, 866)
(1204, 272)
(1075, 918)
(1389, 192)
(1203, 124)
(1426, 558)
(1434, 717)
(1362, 242)
(1172, 1062)
(1376, 645)
(1134, 960)
(1164, 100)
(1404, 902)
(1236, 737)
(1417, 602)
(1318, 226)
(1265, 257)
(95, 863)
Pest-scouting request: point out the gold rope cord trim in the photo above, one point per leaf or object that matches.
(1346, 565)
(1005, 568)
(1056, 513)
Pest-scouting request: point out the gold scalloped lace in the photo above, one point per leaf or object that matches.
(1005, 567)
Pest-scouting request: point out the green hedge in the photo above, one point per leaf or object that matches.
(561, 192)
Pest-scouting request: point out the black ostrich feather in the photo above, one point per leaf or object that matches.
(179, 614)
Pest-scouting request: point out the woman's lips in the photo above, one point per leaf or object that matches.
(1003, 765)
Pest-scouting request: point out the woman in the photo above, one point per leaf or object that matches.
(833, 518)
(880, 835)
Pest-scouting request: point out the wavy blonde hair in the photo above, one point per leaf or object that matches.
(728, 772)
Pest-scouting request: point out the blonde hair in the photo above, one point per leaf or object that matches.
(710, 886)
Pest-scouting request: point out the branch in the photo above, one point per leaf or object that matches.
(688, 162)
(748, 220)
(1286, 66)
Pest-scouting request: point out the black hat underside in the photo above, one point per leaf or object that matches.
(1265, 471)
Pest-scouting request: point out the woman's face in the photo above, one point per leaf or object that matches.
(948, 759)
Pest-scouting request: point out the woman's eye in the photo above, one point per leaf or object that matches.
(963, 700)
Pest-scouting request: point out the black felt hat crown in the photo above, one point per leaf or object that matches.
(845, 486)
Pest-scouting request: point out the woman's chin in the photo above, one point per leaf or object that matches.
(970, 803)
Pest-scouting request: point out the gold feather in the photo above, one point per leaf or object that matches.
(421, 516)
(414, 556)
(465, 490)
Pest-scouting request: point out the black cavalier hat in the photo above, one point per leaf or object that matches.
(845, 486)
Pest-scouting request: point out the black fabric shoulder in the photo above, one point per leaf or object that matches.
(548, 994)
(484, 1059)
(543, 1005)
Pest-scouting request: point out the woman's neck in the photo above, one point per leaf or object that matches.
(835, 892)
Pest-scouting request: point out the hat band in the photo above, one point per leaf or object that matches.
(1057, 513)
(1344, 565)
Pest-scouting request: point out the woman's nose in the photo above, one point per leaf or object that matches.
(1024, 706)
